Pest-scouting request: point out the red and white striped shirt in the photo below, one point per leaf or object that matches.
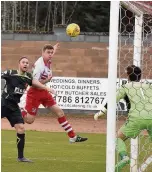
(41, 70)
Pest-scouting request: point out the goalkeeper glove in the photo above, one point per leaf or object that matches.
(100, 113)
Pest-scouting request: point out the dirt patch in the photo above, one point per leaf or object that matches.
(79, 124)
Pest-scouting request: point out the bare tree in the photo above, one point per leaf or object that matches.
(46, 17)
(3, 13)
(13, 14)
(63, 11)
(20, 15)
(24, 12)
(55, 13)
(74, 7)
(36, 15)
(28, 15)
(56, 5)
(8, 12)
(49, 12)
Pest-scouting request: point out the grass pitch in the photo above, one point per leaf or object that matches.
(52, 152)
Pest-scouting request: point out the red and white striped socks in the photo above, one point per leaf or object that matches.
(67, 127)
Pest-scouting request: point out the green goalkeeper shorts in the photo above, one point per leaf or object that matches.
(133, 127)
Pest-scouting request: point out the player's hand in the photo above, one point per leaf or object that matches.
(56, 46)
(100, 113)
(51, 90)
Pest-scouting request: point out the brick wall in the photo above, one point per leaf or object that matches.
(74, 59)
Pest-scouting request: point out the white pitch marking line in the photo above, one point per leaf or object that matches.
(48, 143)
(58, 159)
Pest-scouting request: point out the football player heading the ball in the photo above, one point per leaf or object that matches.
(140, 112)
(42, 72)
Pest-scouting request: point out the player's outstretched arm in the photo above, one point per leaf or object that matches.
(37, 84)
(56, 47)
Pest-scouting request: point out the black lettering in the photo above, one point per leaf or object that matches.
(76, 99)
(92, 98)
(87, 100)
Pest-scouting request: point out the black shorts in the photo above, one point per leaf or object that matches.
(13, 116)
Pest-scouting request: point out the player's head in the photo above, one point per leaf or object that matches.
(23, 64)
(134, 73)
(47, 52)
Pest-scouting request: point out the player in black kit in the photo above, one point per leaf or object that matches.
(16, 84)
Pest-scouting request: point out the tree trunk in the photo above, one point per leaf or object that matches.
(20, 15)
(49, 11)
(28, 16)
(68, 20)
(24, 12)
(63, 11)
(3, 4)
(46, 18)
(55, 12)
(8, 15)
(36, 15)
(13, 14)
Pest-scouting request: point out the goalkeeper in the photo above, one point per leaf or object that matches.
(139, 112)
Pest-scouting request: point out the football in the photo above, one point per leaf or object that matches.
(73, 30)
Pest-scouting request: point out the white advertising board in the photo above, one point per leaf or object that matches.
(82, 93)
(79, 93)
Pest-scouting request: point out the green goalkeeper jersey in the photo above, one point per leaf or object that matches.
(140, 96)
